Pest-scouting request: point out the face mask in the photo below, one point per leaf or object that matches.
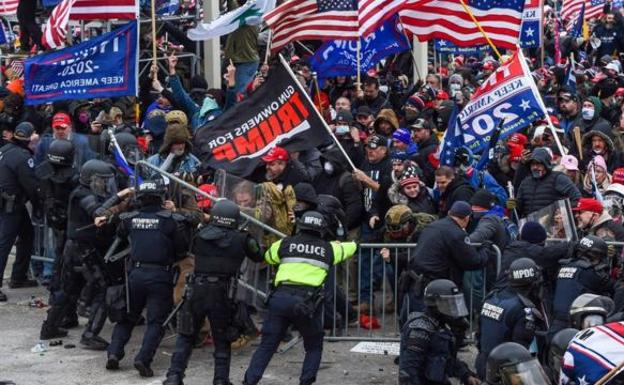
(342, 130)
(536, 174)
(328, 168)
(83, 117)
(454, 87)
(209, 104)
(588, 113)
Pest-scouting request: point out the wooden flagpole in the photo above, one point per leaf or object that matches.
(267, 54)
(357, 54)
(474, 19)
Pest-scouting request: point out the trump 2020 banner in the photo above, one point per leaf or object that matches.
(509, 95)
(279, 113)
(531, 28)
(102, 67)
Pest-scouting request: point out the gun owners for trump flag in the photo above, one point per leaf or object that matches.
(277, 113)
(102, 67)
(509, 94)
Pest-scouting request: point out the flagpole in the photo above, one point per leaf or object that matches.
(540, 102)
(154, 54)
(474, 19)
(292, 75)
(318, 92)
(357, 58)
(267, 54)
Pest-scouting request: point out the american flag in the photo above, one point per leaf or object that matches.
(313, 20)
(8, 7)
(448, 20)
(571, 8)
(373, 13)
(55, 29)
(104, 9)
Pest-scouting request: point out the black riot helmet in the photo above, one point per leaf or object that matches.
(524, 272)
(61, 153)
(153, 190)
(225, 213)
(443, 296)
(511, 363)
(129, 146)
(99, 176)
(312, 221)
(592, 248)
(334, 214)
(558, 347)
(589, 310)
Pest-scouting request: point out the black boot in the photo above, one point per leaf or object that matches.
(144, 370)
(173, 379)
(3, 297)
(93, 342)
(48, 332)
(70, 321)
(112, 363)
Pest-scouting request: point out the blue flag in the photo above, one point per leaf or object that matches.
(50, 3)
(339, 57)
(571, 77)
(510, 95)
(577, 27)
(120, 158)
(103, 67)
(453, 139)
(531, 27)
(447, 47)
(167, 7)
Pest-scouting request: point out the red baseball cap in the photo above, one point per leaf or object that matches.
(61, 119)
(442, 95)
(619, 91)
(276, 153)
(618, 175)
(202, 201)
(518, 138)
(589, 204)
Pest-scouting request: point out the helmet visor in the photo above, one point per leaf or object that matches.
(592, 320)
(524, 373)
(452, 305)
(133, 154)
(103, 185)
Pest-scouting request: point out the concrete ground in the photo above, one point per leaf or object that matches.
(20, 324)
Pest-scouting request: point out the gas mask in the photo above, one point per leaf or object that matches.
(587, 113)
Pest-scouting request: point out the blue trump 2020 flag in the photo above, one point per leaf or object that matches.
(105, 66)
(339, 57)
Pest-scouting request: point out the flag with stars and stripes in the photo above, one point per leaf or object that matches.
(570, 81)
(576, 30)
(571, 8)
(532, 21)
(508, 95)
(448, 19)
(8, 7)
(453, 139)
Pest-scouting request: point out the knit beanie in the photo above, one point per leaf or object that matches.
(533, 232)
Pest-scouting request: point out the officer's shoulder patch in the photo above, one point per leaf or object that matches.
(31, 162)
(164, 213)
(128, 215)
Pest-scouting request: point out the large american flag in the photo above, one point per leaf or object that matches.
(447, 19)
(8, 7)
(571, 8)
(55, 29)
(330, 19)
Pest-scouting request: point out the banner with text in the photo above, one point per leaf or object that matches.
(506, 95)
(105, 66)
(277, 113)
(531, 28)
(447, 47)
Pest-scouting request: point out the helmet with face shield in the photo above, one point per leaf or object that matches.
(99, 177)
(614, 201)
(443, 296)
(511, 364)
(589, 310)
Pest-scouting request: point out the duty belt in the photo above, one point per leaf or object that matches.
(297, 289)
(152, 266)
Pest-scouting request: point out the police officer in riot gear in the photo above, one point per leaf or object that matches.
(303, 263)
(219, 250)
(18, 184)
(511, 364)
(589, 310)
(428, 346)
(157, 241)
(88, 237)
(58, 178)
(557, 349)
(587, 272)
(509, 313)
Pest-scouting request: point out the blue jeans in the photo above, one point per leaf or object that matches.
(245, 73)
(281, 315)
(370, 266)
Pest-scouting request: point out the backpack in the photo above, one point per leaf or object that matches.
(280, 202)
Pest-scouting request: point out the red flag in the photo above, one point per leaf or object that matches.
(8, 7)
(55, 29)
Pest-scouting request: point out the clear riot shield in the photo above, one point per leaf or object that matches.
(557, 219)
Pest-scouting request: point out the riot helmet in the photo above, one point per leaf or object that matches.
(334, 214)
(24, 131)
(589, 310)
(511, 364)
(99, 176)
(129, 147)
(225, 213)
(313, 222)
(444, 297)
(153, 190)
(61, 153)
(558, 347)
(593, 248)
(399, 222)
(524, 272)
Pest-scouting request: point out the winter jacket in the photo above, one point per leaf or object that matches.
(605, 228)
(490, 227)
(483, 179)
(377, 202)
(187, 164)
(242, 45)
(293, 174)
(458, 190)
(534, 194)
(426, 148)
(423, 203)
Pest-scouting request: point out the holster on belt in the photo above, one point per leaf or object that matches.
(185, 315)
(311, 303)
(7, 203)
